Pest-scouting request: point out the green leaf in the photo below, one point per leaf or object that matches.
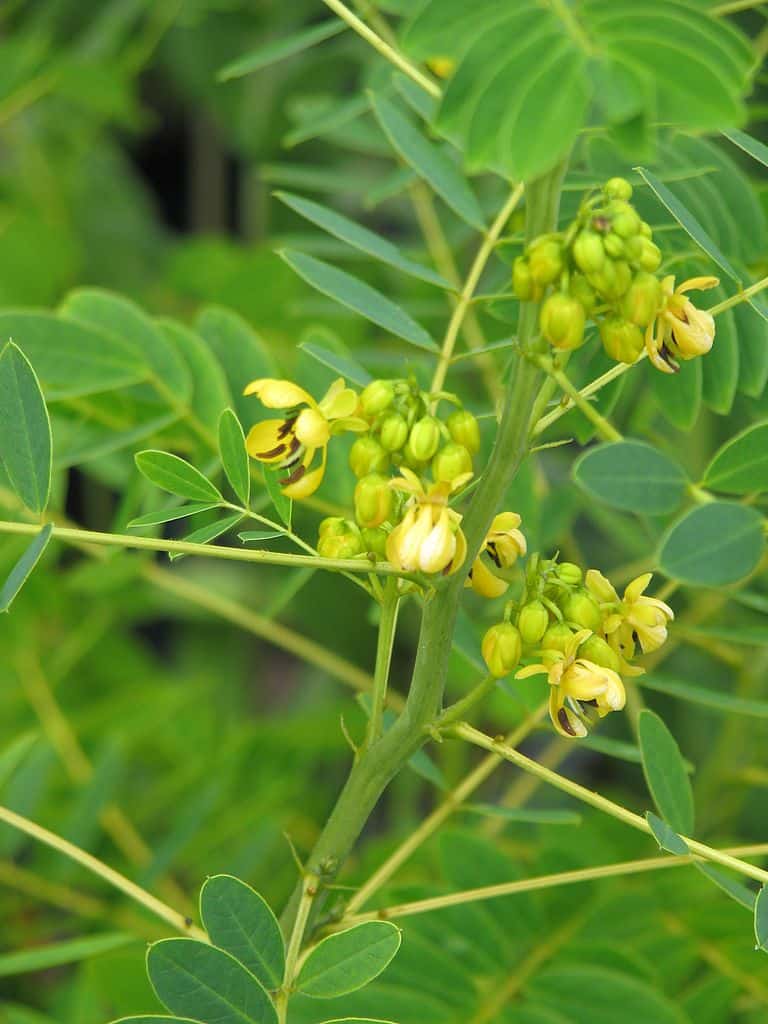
(526, 815)
(69, 952)
(631, 475)
(704, 696)
(666, 837)
(664, 770)
(239, 921)
(347, 960)
(193, 977)
(234, 457)
(278, 49)
(176, 475)
(205, 534)
(283, 505)
(347, 367)
(713, 544)
(752, 332)
(359, 296)
(210, 390)
(761, 919)
(720, 370)
(25, 430)
(679, 395)
(168, 515)
(155, 1019)
(733, 888)
(741, 465)
(12, 755)
(254, 536)
(753, 147)
(361, 238)
(429, 162)
(21, 571)
(71, 359)
(357, 1020)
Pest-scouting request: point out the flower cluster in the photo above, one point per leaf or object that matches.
(577, 631)
(603, 267)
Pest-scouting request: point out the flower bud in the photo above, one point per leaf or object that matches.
(522, 282)
(464, 429)
(650, 257)
(583, 291)
(377, 397)
(588, 251)
(596, 650)
(532, 622)
(367, 456)
(443, 67)
(424, 438)
(562, 321)
(569, 573)
(393, 432)
(693, 330)
(557, 637)
(501, 648)
(339, 538)
(451, 461)
(614, 246)
(622, 340)
(545, 259)
(643, 299)
(374, 541)
(613, 280)
(333, 526)
(626, 224)
(580, 607)
(645, 229)
(438, 548)
(373, 500)
(618, 188)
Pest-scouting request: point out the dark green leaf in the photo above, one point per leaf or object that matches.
(713, 544)
(705, 696)
(632, 475)
(155, 1019)
(12, 755)
(735, 889)
(279, 49)
(234, 457)
(193, 977)
(210, 390)
(205, 534)
(741, 465)
(21, 571)
(283, 505)
(176, 475)
(761, 919)
(664, 770)
(752, 146)
(679, 395)
(254, 536)
(526, 815)
(347, 960)
(168, 515)
(347, 367)
(752, 332)
(666, 837)
(361, 238)
(70, 951)
(239, 921)
(359, 296)
(25, 430)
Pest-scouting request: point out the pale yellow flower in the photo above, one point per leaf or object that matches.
(429, 538)
(503, 545)
(680, 331)
(632, 619)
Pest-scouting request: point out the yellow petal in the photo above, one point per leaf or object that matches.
(697, 284)
(483, 581)
(270, 441)
(278, 394)
(311, 428)
(306, 484)
(438, 547)
(343, 403)
(563, 719)
(634, 589)
(461, 552)
(505, 521)
(600, 588)
(531, 670)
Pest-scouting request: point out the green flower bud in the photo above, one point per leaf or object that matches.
(612, 281)
(377, 397)
(557, 637)
(614, 246)
(532, 622)
(393, 432)
(545, 259)
(618, 188)
(645, 229)
(424, 438)
(626, 224)
(622, 340)
(588, 251)
(569, 573)
(583, 291)
(375, 541)
(623, 277)
(339, 538)
(367, 456)
(634, 248)
(595, 649)
(522, 282)
(562, 320)
(333, 526)
(373, 500)
(643, 299)
(650, 257)
(501, 648)
(451, 461)
(410, 460)
(464, 429)
(580, 607)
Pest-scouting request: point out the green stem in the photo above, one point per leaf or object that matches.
(605, 429)
(386, 639)
(308, 894)
(456, 712)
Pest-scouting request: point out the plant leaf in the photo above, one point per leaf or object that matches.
(21, 571)
(741, 465)
(278, 49)
(704, 696)
(254, 536)
(664, 770)
(347, 960)
(714, 544)
(283, 505)
(761, 919)
(168, 515)
(631, 475)
(359, 296)
(239, 921)
(341, 364)
(666, 837)
(70, 951)
(234, 457)
(25, 430)
(176, 475)
(205, 534)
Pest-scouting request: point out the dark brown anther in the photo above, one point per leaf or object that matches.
(562, 717)
(295, 476)
(273, 454)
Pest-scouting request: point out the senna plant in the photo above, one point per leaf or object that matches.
(590, 281)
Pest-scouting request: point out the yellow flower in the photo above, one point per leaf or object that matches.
(680, 331)
(574, 682)
(429, 538)
(634, 618)
(503, 544)
(292, 442)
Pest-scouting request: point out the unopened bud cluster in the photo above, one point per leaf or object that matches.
(603, 268)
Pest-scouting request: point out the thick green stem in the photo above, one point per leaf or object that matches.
(387, 627)
(380, 762)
